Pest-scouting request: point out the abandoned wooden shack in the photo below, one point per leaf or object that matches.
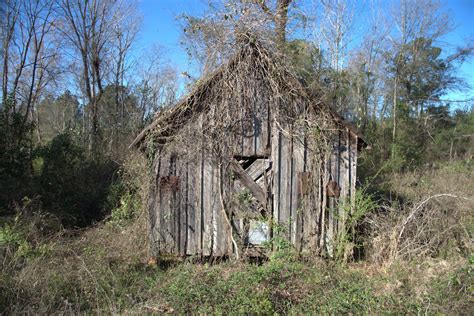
(248, 155)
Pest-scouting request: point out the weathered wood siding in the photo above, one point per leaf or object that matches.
(308, 216)
(186, 216)
(250, 130)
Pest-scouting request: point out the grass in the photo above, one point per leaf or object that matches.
(284, 287)
(86, 278)
(105, 269)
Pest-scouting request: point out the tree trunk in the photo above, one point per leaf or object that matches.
(394, 115)
(281, 20)
(93, 141)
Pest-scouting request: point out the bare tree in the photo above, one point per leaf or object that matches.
(212, 37)
(11, 13)
(28, 53)
(156, 84)
(279, 16)
(123, 37)
(333, 28)
(90, 26)
(101, 37)
(366, 66)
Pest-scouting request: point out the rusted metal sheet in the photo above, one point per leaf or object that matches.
(169, 183)
(333, 189)
(304, 178)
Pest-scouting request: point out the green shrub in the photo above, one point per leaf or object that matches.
(72, 186)
(9, 236)
(347, 238)
(460, 286)
(127, 209)
(22, 235)
(15, 156)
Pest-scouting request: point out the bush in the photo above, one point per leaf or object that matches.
(129, 192)
(15, 157)
(71, 185)
(23, 236)
(432, 216)
(348, 239)
(126, 210)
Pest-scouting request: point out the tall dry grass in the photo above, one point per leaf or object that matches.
(45, 268)
(431, 214)
(424, 236)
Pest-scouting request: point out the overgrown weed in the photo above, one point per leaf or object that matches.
(435, 218)
(105, 268)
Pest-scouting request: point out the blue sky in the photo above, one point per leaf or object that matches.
(161, 27)
(462, 12)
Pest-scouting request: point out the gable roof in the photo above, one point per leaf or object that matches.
(169, 120)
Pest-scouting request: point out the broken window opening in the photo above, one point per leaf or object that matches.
(258, 232)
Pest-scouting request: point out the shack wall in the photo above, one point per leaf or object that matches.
(186, 215)
(308, 217)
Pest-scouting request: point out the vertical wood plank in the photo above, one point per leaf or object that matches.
(217, 225)
(314, 227)
(207, 209)
(183, 206)
(339, 200)
(266, 130)
(258, 111)
(153, 207)
(330, 206)
(166, 239)
(324, 202)
(309, 207)
(335, 200)
(353, 166)
(276, 173)
(174, 219)
(191, 234)
(199, 191)
(284, 187)
(292, 191)
(345, 184)
(299, 208)
(312, 205)
(226, 231)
